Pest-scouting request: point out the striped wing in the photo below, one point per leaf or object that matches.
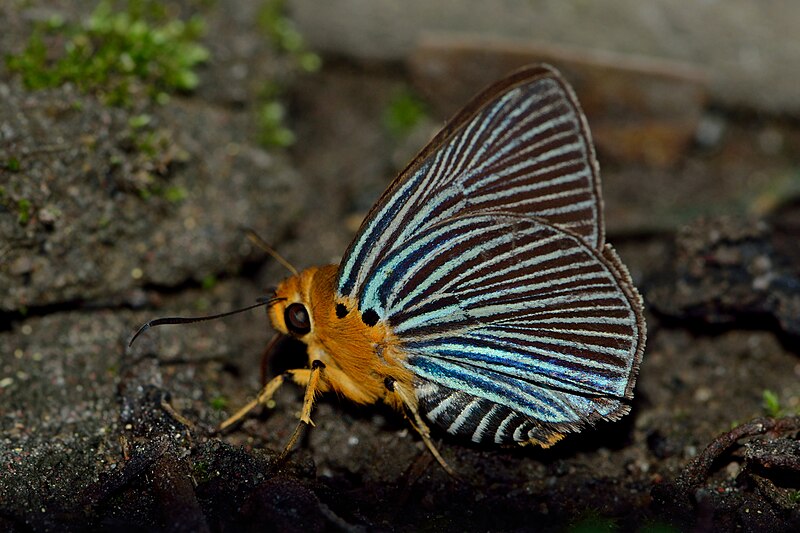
(520, 147)
(486, 258)
(517, 330)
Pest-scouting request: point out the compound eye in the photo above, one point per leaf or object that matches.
(297, 319)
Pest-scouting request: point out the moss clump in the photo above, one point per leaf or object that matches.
(284, 35)
(403, 113)
(218, 403)
(272, 129)
(771, 403)
(115, 54)
(209, 282)
(290, 46)
(11, 164)
(24, 207)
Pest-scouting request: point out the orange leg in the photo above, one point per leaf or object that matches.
(312, 388)
(301, 376)
(410, 402)
(308, 378)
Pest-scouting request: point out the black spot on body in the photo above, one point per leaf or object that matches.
(388, 382)
(341, 311)
(370, 317)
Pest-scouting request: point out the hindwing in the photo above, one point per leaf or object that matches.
(514, 311)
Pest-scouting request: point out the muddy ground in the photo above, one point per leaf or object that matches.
(94, 435)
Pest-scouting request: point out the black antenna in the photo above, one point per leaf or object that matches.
(189, 320)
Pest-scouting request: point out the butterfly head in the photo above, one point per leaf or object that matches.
(292, 312)
(304, 303)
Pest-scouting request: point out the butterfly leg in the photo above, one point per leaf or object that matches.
(312, 383)
(301, 376)
(409, 400)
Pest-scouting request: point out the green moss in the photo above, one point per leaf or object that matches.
(24, 207)
(218, 403)
(771, 403)
(11, 164)
(145, 189)
(284, 35)
(272, 130)
(289, 44)
(150, 188)
(202, 472)
(115, 54)
(209, 282)
(139, 121)
(593, 523)
(403, 113)
(175, 194)
(151, 152)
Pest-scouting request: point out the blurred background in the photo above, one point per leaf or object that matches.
(138, 140)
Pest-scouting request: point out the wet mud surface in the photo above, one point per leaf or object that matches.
(96, 435)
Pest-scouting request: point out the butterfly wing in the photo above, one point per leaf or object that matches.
(516, 329)
(522, 146)
(486, 258)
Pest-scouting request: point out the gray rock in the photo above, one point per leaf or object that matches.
(747, 48)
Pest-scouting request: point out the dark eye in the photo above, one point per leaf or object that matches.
(297, 320)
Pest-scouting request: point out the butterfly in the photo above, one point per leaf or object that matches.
(479, 295)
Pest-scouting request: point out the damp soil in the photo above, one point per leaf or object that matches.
(96, 435)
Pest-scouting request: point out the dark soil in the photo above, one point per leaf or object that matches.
(94, 435)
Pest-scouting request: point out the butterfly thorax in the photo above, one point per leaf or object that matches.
(362, 362)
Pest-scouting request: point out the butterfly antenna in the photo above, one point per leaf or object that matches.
(261, 243)
(189, 320)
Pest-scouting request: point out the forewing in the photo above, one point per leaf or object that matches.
(521, 147)
(514, 312)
